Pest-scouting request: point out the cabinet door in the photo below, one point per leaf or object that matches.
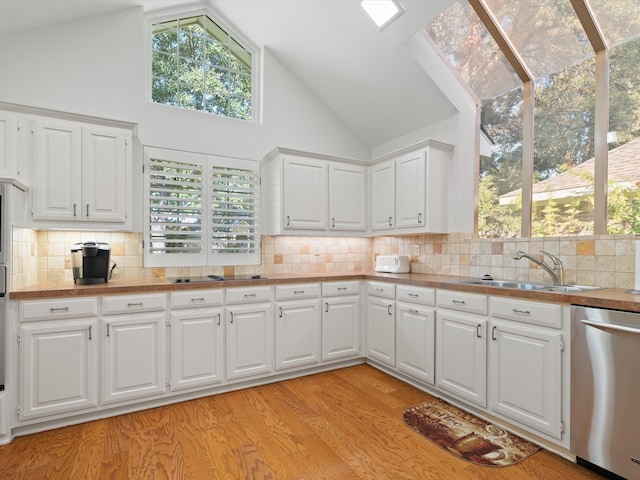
(58, 368)
(197, 344)
(410, 190)
(341, 328)
(347, 197)
(57, 170)
(8, 144)
(305, 194)
(133, 357)
(415, 342)
(297, 333)
(383, 195)
(525, 376)
(381, 330)
(461, 349)
(104, 173)
(249, 340)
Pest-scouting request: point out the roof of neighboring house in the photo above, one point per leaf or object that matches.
(624, 166)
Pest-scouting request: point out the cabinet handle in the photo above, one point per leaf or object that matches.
(135, 305)
(526, 313)
(231, 313)
(458, 302)
(342, 289)
(478, 327)
(201, 299)
(280, 312)
(414, 295)
(90, 332)
(249, 295)
(87, 209)
(390, 224)
(107, 329)
(288, 220)
(333, 222)
(218, 319)
(389, 310)
(420, 218)
(74, 209)
(493, 333)
(415, 312)
(326, 306)
(298, 292)
(60, 309)
(380, 290)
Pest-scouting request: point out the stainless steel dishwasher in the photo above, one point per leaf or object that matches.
(605, 390)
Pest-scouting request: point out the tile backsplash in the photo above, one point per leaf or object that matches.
(605, 261)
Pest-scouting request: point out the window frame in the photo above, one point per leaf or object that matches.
(176, 14)
(206, 257)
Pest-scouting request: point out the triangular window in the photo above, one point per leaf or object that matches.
(199, 66)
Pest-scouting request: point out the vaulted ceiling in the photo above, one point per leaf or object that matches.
(365, 76)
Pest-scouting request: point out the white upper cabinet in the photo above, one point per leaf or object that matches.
(8, 143)
(410, 190)
(305, 194)
(383, 191)
(347, 197)
(81, 173)
(309, 194)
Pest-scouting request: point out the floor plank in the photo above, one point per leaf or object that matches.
(344, 424)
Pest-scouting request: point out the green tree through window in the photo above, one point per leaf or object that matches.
(197, 65)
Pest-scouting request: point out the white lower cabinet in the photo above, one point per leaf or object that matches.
(341, 330)
(461, 346)
(58, 367)
(58, 357)
(297, 325)
(380, 325)
(249, 332)
(525, 365)
(415, 333)
(197, 339)
(134, 347)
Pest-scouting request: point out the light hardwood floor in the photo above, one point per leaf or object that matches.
(344, 424)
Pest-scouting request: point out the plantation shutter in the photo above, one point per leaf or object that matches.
(200, 210)
(175, 194)
(235, 190)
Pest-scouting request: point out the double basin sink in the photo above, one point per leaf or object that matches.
(542, 287)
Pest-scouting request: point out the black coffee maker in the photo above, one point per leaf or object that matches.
(90, 262)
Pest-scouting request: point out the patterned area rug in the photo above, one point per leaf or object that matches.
(467, 436)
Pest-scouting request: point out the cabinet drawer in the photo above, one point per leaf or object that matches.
(52, 309)
(133, 303)
(379, 289)
(538, 313)
(463, 301)
(248, 295)
(340, 288)
(424, 296)
(303, 290)
(197, 298)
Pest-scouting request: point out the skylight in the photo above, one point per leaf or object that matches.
(382, 12)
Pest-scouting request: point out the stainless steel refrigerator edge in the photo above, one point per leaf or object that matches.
(605, 389)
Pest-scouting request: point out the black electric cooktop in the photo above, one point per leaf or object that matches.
(215, 278)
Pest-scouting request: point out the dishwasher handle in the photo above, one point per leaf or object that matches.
(611, 326)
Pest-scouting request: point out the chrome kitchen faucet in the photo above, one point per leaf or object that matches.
(556, 272)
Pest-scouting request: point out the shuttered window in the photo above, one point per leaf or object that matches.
(200, 210)
(234, 210)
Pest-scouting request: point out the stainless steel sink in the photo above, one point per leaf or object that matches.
(546, 287)
(501, 284)
(570, 288)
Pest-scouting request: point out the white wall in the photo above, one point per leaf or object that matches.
(95, 66)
